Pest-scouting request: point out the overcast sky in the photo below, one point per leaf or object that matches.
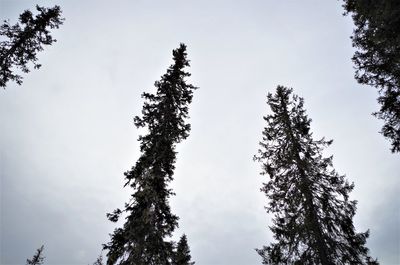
(67, 133)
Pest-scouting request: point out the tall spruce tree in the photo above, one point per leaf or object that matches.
(38, 258)
(20, 43)
(144, 238)
(182, 254)
(313, 215)
(377, 59)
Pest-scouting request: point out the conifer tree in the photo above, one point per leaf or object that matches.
(313, 215)
(144, 238)
(377, 59)
(20, 43)
(38, 258)
(182, 255)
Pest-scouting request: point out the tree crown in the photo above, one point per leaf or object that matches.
(24, 40)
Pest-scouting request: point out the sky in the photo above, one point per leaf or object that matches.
(67, 133)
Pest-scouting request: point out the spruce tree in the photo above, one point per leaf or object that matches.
(182, 254)
(38, 258)
(20, 42)
(313, 215)
(377, 59)
(144, 238)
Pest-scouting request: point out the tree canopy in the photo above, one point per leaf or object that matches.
(182, 255)
(144, 238)
(310, 202)
(377, 59)
(21, 42)
(38, 258)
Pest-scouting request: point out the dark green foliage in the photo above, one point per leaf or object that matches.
(312, 212)
(182, 254)
(377, 59)
(149, 223)
(21, 42)
(37, 259)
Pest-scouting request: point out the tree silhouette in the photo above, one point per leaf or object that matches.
(182, 254)
(23, 40)
(377, 59)
(312, 212)
(38, 258)
(99, 260)
(144, 238)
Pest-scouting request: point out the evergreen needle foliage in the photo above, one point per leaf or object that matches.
(313, 215)
(38, 258)
(143, 240)
(182, 255)
(20, 43)
(377, 59)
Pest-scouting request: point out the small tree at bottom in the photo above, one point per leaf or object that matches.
(38, 258)
(182, 254)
